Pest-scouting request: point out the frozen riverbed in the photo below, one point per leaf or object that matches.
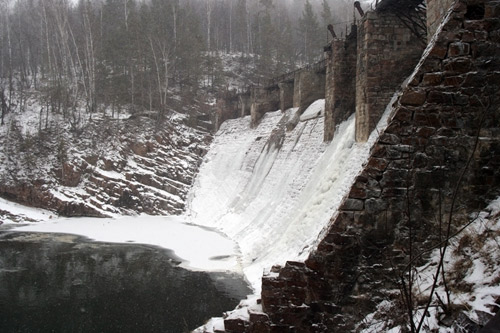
(198, 248)
(53, 282)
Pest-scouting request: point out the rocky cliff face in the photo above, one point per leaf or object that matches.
(108, 166)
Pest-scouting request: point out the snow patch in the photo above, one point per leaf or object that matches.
(201, 248)
(315, 110)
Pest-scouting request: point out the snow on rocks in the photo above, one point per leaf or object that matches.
(11, 212)
(106, 167)
(471, 270)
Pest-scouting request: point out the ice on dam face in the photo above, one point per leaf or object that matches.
(263, 196)
(273, 190)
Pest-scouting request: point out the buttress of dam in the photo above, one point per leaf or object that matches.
(438, 159)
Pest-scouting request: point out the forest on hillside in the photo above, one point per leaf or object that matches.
(133, 54)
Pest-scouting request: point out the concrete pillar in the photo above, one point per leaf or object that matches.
(226, 108)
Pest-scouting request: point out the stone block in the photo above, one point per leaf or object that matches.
(439, 97)
(457, 65)
(378, 164)
(394, 192)
(404, 114)
(357, 192)
(352, 205)
(425, 132)
(454, 81)
(394, 178)
(400, 164)
(237, 325)
(378, 150)
(325, 247)
(458, 49)
(460, 99)
(492, 10)
(275, 328)
(388, 138)
(413, 97)
(474, 80)
(393, 153)
(404, 148)
(438, 51)
(432, 79)
(375, 205)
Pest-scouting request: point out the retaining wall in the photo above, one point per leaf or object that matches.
(340, 85)
(442, 141)
(387, 54)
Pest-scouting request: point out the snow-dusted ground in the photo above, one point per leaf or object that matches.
(23, 212)
(471, 270)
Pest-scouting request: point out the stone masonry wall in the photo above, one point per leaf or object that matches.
(340, 86)
(263, 100)
(226, 108)
(387, 53)
(245, 105)
(443, 139)
(436, 10)
(309, 85)
(286, 95)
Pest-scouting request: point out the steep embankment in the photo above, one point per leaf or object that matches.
(272, 190)
(100, 165)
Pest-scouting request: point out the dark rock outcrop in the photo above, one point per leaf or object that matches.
(125, 166)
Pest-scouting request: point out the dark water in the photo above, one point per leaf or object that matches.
(66, 283)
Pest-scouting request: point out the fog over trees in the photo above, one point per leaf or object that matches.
(131, 52)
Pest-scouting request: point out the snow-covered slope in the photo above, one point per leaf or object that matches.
(274, 191)
(106, 165)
